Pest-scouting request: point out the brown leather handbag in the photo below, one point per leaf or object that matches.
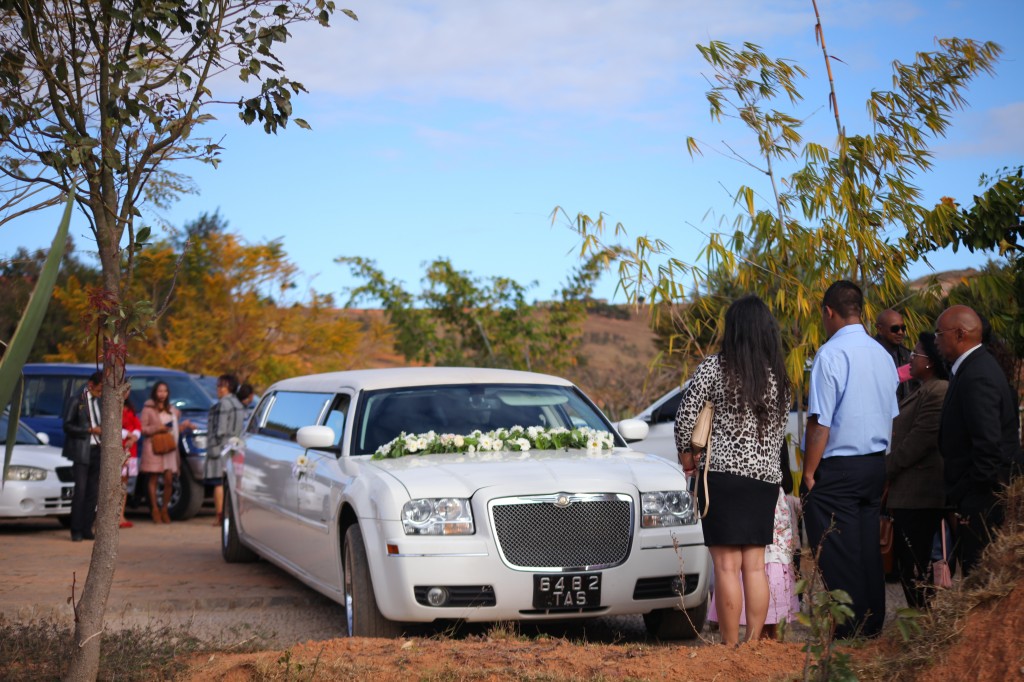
(163, 442)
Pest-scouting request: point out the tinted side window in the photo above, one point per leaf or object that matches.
(337, 417)
(259, 416)
(291, 411)
(44, 396)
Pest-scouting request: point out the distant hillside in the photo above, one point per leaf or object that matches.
(947, 279)
(618, 349)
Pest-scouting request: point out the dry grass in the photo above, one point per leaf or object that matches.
(1001, 570)
(40, 650)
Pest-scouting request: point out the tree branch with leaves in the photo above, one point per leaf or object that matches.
(99, 97)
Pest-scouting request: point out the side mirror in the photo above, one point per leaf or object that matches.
(43, 437)
(315, 437)
(633, 430)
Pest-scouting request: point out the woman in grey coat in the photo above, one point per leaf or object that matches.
(227, 418)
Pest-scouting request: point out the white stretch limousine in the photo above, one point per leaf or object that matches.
(419, 494)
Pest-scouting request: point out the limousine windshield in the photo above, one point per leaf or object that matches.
(463, 409)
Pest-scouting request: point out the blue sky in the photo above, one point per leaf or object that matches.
(454, 128)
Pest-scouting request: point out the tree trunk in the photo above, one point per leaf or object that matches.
(90, 609)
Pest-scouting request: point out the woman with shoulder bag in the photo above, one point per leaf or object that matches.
(160, 424)
(749, 388)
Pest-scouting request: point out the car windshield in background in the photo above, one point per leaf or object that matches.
(23, 437)
(186, 393)
(463, 409)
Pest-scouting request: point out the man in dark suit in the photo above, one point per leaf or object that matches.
(82, 447)
(977, 434)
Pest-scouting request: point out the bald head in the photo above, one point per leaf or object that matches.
(957, 330)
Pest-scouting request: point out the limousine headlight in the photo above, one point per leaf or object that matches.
(667, 508)
(442, 516)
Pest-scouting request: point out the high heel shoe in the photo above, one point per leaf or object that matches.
(157, 516)
(165, 515)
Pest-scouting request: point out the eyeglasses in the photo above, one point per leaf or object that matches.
(917, 355)
(940, 332)
(896, 328)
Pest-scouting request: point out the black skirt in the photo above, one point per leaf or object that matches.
(742, 510)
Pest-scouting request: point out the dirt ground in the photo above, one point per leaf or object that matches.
(175, 575)
(504, 659)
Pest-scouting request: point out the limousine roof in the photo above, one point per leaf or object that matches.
(398, 377)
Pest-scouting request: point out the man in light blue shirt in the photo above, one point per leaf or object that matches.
(851, 407)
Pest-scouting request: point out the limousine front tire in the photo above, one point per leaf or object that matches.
(676, 624)
(362, 616)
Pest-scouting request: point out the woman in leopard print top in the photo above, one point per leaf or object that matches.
(741, 445)
(748, 385)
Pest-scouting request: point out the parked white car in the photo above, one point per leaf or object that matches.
(418, 494)
(39, 479)
(660, 417)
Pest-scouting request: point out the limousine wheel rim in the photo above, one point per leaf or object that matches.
(348, 591)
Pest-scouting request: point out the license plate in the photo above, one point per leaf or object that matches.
(566, 590)
(67, 492)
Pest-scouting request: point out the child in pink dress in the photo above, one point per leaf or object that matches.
(778, 564)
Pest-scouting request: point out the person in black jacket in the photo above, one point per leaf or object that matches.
(978, 433)
(82, 447)
(891, 331)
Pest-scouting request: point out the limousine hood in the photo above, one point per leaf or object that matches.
(532, 472)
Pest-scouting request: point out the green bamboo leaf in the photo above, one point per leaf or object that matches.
(28, 327)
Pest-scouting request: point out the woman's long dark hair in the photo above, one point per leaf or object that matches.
(752, 357)
(156, 401)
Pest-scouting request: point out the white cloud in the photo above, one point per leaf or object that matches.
(996, 132)
(538, 54)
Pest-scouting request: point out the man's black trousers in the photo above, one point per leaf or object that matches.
(87, 494)
(844, 508)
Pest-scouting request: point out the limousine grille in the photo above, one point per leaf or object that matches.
(563, 531)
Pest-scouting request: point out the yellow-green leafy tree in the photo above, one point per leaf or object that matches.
(845, 208)
(464, 321)
(234, 307)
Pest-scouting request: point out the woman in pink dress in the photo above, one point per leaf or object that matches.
(160, 415)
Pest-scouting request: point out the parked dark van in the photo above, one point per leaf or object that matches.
(49, 387)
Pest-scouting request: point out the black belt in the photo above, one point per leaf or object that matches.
(880, 453)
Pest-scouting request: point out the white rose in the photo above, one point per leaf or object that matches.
(459, 441)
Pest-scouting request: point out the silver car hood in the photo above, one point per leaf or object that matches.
(535, 471)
